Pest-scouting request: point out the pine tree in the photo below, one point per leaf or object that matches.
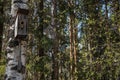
(55, 44)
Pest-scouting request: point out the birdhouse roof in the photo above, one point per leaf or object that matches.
(23, 11)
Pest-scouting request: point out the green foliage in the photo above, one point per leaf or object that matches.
(98, 56)
(46, 43)
(2, 71)
(2, 68)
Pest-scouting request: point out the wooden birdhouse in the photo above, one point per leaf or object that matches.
(21, 24)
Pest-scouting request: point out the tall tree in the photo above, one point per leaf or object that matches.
(1, 24)
(40, 32)
(40, 27)
(73, 38)
(71, 25)
(16, 48)
(55, 44)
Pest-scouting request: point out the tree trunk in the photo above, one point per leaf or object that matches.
(73, 36)
(107, 23)
(16, 49)
(75, 50)
(55, 45)
(40, 27)
(71, 47)
(1, 25)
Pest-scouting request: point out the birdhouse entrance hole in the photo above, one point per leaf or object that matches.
(22, 24)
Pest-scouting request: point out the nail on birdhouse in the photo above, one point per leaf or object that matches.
(21, 24)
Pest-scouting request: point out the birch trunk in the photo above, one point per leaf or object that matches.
(16, 49)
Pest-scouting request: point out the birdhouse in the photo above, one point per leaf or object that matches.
(21, 24)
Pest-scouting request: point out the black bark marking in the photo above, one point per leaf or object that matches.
(9, 78)
(8, 59)
(9, 51)
(14, 68)
(22, 70)
(5, 76)
(13, 43)
(18, 1)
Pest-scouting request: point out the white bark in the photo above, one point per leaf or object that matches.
(15, 69)
(16, 59)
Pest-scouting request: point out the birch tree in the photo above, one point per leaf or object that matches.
(16, 49)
